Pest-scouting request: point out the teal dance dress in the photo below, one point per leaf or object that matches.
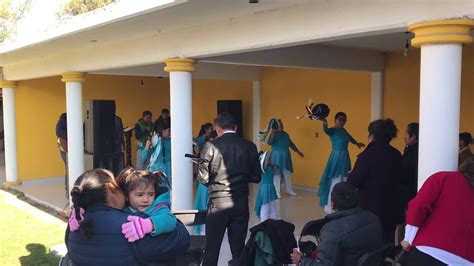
(160, 158)
(280, 155)
(167, 158)
(339, 162)
(266, 191)
(202, 198)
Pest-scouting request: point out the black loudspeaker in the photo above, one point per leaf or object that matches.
(100, 127)
(234, 107)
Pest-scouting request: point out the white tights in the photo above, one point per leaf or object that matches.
(328, 208)
(270, 210)
(288, 185)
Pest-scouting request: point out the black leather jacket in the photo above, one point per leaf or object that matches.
(230, 163)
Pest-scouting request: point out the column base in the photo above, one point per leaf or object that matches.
(11, 184)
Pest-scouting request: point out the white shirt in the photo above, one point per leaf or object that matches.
(228, 131)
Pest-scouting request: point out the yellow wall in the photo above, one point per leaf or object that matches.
(285, 92)
(205, 96)
(41, 101)
(402, 96)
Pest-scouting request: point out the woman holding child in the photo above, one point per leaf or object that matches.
(95, 235)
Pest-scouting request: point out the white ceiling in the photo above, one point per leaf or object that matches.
(382, 43)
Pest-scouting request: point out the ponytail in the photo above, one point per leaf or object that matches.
(89, 189)
(272, 125)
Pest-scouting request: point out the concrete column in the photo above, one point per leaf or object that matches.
(9, 129)
(75, 133)
(256, 110)
(376, 109)
(440, 92)
(180, 70)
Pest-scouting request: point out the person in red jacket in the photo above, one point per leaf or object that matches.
(440, 220)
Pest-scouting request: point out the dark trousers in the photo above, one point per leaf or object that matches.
(66, 179)
(418, 258)
(233, 216)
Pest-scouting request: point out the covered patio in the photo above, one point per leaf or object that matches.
(151, 60)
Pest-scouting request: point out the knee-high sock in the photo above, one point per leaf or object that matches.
(275, 210)
(328, 208)
(276, 183)
(265, 212)
(288, 185)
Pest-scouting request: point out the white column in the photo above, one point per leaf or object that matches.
(181, 131)
(9, 125)
(440, 92)
(440, 98)
(376, 110)
(256, 110)
(75, 133)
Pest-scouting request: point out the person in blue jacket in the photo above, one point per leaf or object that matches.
(94, 235)
(143, 193)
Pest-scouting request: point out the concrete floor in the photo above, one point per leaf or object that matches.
(297, 210)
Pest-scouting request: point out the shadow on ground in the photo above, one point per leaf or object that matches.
(38, 256)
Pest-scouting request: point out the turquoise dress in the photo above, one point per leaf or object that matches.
(160, 158)
(266, 191)
(202, 197)
(281, 157)
(167, 158)
(339, 162)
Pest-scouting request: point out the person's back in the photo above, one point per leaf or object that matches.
(94, 235)
(377, 175)
(348, 234)
(355, 233)
(444, 213)
(108, 246)
(235, 163)
(228, 164)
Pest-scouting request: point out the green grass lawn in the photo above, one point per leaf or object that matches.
(27, 234)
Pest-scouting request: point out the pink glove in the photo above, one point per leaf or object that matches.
(136, 228)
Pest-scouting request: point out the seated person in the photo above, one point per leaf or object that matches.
(348, 234)
(94, 235)
(144, 194)
(440, 220)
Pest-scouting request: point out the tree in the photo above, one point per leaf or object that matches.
(76, 7)
(10, 13)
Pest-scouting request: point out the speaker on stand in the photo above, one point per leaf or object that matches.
(234, 107)
(101, 149)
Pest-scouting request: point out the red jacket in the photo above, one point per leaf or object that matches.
(444, 212)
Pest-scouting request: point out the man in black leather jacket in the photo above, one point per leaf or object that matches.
(229, 164)
(348, 233)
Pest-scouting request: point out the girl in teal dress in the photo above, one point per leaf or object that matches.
(281, 157)
(339, 162)
(159, 152)
(267, 205)
(202, 198)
